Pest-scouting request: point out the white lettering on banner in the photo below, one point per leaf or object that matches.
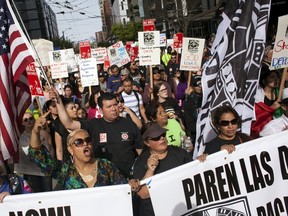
(251, 181)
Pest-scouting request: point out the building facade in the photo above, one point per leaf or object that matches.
(38, 18)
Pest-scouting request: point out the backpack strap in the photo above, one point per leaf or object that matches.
(137, 97)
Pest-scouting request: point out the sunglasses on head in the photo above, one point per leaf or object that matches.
(226, 122)
(28, 119)
(158, 138)
(80, 142)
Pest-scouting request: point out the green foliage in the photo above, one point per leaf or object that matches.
(103, 44)
(62, 44)
(127, 32)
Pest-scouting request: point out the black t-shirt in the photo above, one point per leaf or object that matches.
(115, 141)
(175, 157)
(63, 132)
(215, 144)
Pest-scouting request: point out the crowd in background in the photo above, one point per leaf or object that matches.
(124, 128)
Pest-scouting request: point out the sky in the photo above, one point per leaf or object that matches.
(78, 19)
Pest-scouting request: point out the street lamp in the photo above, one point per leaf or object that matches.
(64, 32)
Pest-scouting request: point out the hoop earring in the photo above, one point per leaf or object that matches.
(72, 159)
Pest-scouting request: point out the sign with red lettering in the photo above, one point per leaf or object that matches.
(178, 40)
(148, 25)
(85, 49)
(33, 80)
(133, 53)
(280, 51)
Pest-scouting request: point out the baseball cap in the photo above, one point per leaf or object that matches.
(101, 74)
(196, 81)
(125, 71)
(155, 130)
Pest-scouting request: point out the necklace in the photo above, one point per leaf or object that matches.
(89, 177)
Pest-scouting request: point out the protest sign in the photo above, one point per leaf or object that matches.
(177, 40)
(70, 60)
(85, 49)
(88, 72)
(99, 54)
(192, 52)
(43, 47)
(163, 40)
(250, 181)
(118, 54)
(88, 202)
(58, 64)
(148, 25)
(280, 51)
(149, 56)
(149, 39)
(33, 80)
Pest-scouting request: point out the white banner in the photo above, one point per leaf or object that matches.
(118, 55)
(251, 181)
(149, 39)
(280, 51)
(110, 200)
(149, 56)
(88, 72)
(192, 52)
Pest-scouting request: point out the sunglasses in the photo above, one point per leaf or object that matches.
(80, 142)
(158, 138)
(226, 122)
(28, 119)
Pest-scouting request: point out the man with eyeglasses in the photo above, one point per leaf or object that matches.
(114, 138)
(157, 159)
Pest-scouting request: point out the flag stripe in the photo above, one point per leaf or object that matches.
(15, 92)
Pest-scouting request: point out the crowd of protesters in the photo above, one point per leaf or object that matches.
(124, 127)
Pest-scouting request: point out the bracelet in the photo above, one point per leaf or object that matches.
(36, 148)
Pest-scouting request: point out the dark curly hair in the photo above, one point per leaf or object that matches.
(220, 111)
(151, 110)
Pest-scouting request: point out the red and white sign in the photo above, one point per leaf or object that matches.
(106, 63)
(178, 40)
(85, 49)
(133, 53)
(148, 25)
(99, 54)
(33, 80)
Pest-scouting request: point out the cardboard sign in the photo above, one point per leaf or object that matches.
(148, 25)
(149, 56)
(280, 51)
(88, 72)
(118, 54)
(149, 39)
(33, 80)
(178, 40)
(99, 54)
(192, 51)
(85, 49)
(58, 64)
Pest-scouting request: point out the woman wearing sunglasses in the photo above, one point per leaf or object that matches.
(157, 159)
(227, 121)
(83, 170)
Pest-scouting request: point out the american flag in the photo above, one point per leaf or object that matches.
(15, 95)
(231, 75)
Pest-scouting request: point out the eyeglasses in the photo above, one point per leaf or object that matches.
(28, 119)
(163, 90)
(158, 138)
(226, 122)
(80, 142)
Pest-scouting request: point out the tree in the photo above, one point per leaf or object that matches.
(62, 44)
(127, 32)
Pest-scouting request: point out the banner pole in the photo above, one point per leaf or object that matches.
(283, 79)
(31, 43)
(151, 81)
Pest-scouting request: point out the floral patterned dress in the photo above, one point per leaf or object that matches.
(67, 175)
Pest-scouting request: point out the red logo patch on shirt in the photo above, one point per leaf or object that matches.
(103, 137)
(124, 136)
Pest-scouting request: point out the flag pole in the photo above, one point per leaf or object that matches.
(283, 79)
(32, 45)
